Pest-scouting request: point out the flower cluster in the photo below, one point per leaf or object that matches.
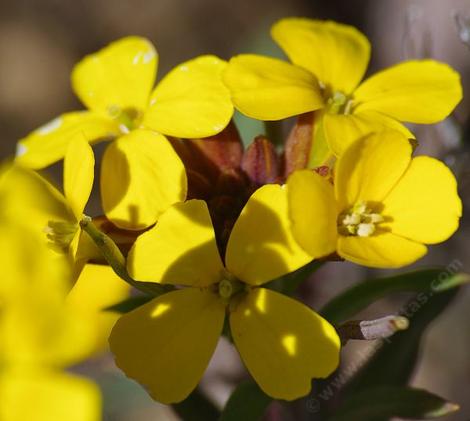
(203, 224)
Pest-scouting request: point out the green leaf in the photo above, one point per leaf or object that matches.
(248, 403)
(289, 283)
(360, 296)
(386, 402)
(196, 407)
(129, 304)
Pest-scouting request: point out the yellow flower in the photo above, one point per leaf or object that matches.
(329, 62)
(141, 173)
(52, 213)
(167, 343)
(97, 288)
(32, 202)
(40, 334)
(384, 206)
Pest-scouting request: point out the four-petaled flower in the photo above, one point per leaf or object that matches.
(329, 62)
(141, 175)
(166, 344)
(384, 207)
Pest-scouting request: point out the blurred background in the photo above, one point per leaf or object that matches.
(41, 40)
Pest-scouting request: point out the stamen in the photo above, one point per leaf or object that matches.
(360, 220)
(365, 230)
(60, 234)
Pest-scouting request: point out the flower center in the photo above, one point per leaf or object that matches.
(229, 286)
(339, 103)
(360, 220)
(128, 118)
(60, 234)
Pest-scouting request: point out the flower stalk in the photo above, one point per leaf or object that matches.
(116, 259)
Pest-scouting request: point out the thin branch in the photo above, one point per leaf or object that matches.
(116, 259)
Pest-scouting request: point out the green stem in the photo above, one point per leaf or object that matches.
(116, 259)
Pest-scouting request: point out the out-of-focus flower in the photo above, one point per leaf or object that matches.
(97, 288)
(384, 206)
(141, 174)
(66, 234)
(32, 202)
(329, 62)
(283, 343)
(40, 334)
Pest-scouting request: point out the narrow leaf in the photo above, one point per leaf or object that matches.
(129, 304)
(357, 298)
(289, 283)
(248, 403)
(388, 401)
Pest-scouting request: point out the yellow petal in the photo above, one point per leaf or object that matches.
(141, 176)
(37, 327)
(424, 206)
(261, 246)
(283, 343)
(312, 209)
(49, 143)
(27, 265)
(167, 343)
(117, 78)
(43, 331)
(180, 249)
(383, 250)
(370, 167)
(191, 101)
(97, 288)
(79, 172)
(29, 199)
(48, 396)
(320, 153)
(336, 54)
(270, 89)
(423, 91)
(341, 130)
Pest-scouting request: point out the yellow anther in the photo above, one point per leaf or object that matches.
(360, 220)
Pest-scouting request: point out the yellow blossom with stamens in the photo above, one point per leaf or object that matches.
(329, 61)
(384, 207)
(48, 211)
(167, 343)
(34, 202)
(141, 173)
